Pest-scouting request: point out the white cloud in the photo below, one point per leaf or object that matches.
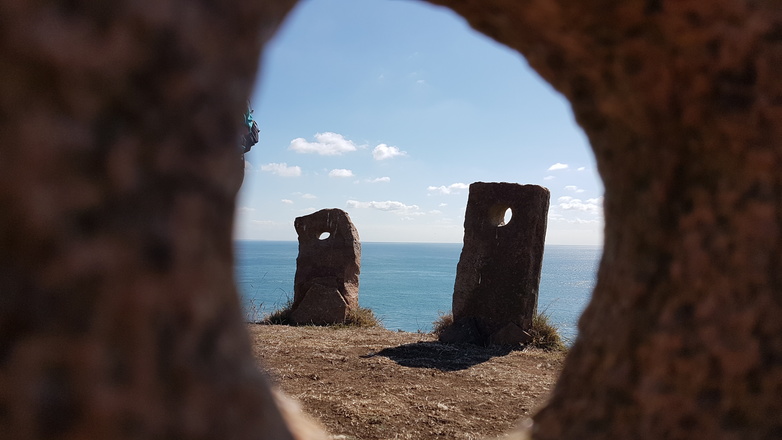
(450, 189)
(558, 218)
(380, 180)
(581, 168)
(327, 144)
(442, 204)
(309, 196)
(287, 201)
(549, 178)
(383, 152)
(592, 206)
(282, 169)
(574, 188)
(246, 209)
(581, 221)
(340, 172)
(558, 166)
(264, 222)
(388, 206)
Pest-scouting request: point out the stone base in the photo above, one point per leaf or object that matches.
(321, 305)
(511, 334)
(462, 331)
(468, 331)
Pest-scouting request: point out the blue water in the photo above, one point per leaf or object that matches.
(408, 284)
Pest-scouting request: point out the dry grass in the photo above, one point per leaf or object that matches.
(444, 320)
(360, 317)
(281, 316)
(545, 335)
(373, 383)
(253, 312)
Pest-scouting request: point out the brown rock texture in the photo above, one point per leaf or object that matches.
(325, 287)
(681, 101)
(498, 274)
(119, 317)
(118, 314)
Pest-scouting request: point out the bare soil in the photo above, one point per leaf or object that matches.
(378, 384)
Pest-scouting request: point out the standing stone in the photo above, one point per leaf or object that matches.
(496, 290)
(326, 285)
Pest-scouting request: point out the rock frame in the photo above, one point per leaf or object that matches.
(119, 317)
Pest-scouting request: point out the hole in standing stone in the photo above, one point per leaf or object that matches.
(506, 218)
(500, 215)
(324, 235)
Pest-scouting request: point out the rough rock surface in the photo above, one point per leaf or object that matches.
(498, 274)
(118, 171)
(118, 314)
(326, 284)
(321, 305)
(680, 101)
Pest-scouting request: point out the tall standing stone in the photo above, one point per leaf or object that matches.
(496, 290)
(325, 288)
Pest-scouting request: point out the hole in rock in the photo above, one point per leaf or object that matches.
(389, 110)
(506, 217)
(324, 235)
(500, 215)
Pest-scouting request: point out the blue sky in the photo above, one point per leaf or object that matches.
(389, 109)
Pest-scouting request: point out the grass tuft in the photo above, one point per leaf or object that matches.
(545, 335)
(444, 320)
(362, 317)
(281, 316)
(252, 312)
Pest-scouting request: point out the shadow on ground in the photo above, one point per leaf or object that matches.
(443, 357)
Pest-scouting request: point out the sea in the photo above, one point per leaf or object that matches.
(409, 285)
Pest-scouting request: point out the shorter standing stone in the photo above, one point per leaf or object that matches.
(321, 305)
(498, 274)
(325, 288)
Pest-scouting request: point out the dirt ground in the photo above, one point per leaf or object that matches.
(379, 384)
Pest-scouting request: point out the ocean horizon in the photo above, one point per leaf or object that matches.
(409, 285)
